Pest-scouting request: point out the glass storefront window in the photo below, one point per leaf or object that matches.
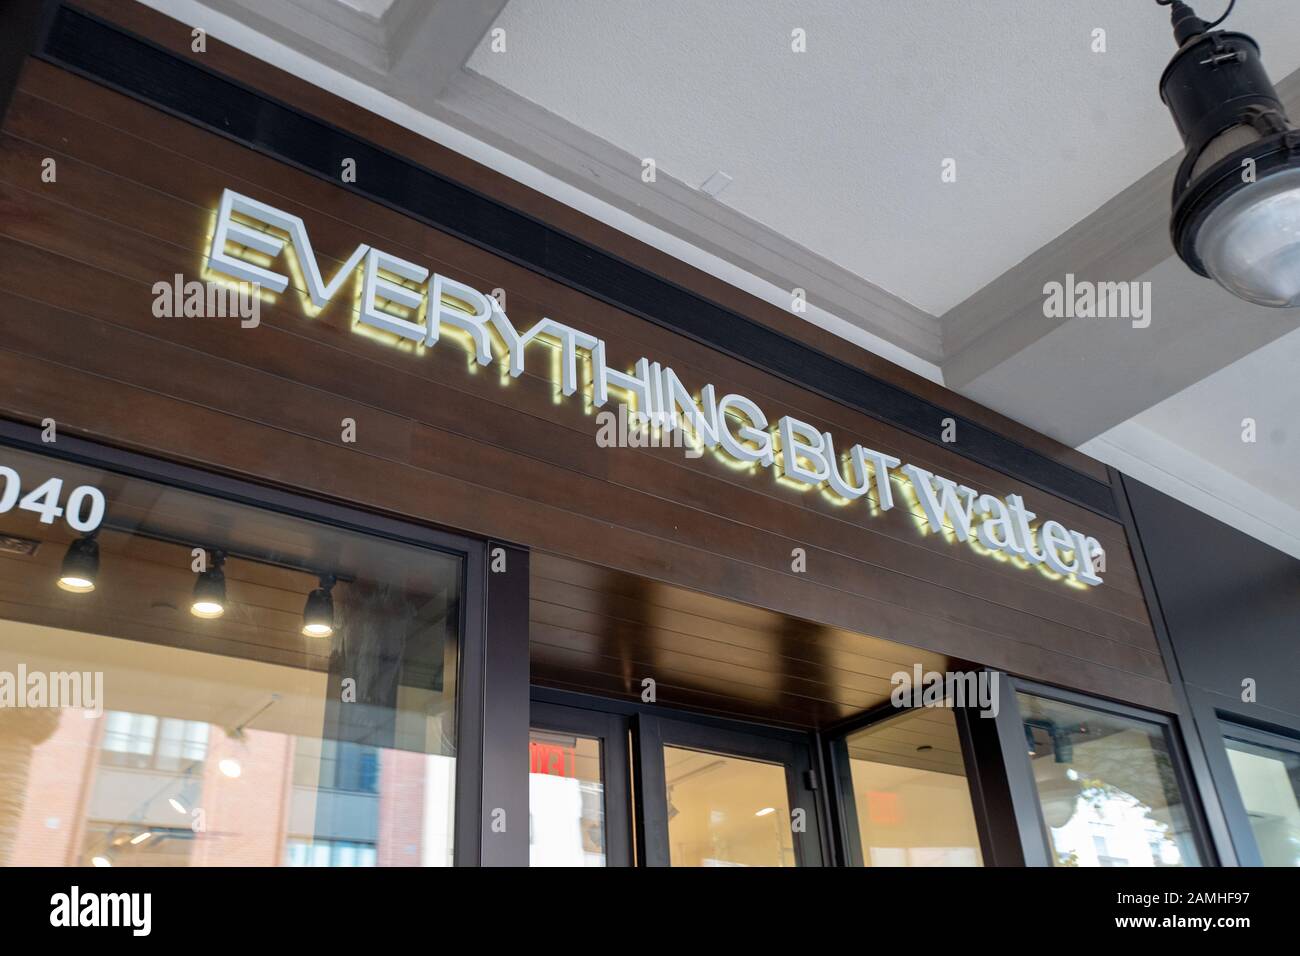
(295, 706)
(1106, 786)
(726, 811)
(1268, 779)
(566, 800)
(910, 792)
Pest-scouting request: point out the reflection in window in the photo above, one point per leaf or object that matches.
(910, 792)
(237, 740)
(329, 853)
(128, 736)
(143, 740)
(566, 800)
(336, 765)
(1269, 781)
(1106, 786)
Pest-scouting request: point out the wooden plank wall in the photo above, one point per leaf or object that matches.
(597, 631)
(441, 443)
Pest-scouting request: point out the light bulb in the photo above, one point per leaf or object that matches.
(207, 609)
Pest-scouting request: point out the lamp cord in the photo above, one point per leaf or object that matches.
(1208, 26)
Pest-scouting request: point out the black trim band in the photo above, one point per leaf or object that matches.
(141, 69)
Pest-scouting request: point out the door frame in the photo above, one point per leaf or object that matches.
(1027, 803)
(611, 730)
(985, 778)
(654, 733)
(1217, 720)
(649, 726)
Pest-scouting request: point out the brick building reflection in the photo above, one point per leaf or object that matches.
(141, 790)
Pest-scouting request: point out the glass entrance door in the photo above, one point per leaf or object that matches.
(686, 792)
(712, 796)
(578, 805)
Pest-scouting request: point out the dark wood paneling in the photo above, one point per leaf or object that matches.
(89, 188)
(441, 444)
(603, 631)
(24, 26)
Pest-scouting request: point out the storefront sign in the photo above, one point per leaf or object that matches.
(83, 512)
(403, 301)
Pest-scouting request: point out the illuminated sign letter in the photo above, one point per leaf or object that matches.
(474, 319)
(702, 419)
(880, 465)
(736, 443)
(229, 229)
(377, 287)
(1087, 549)
(1023, 544)
(569, 340)
(995, 531)
(604, 378)
(1055, 537)
(801, 443)
(857, 463)
(953, 501)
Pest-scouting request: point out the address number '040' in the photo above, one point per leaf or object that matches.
(84, 510)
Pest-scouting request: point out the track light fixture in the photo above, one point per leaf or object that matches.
(1236, 196)
(318, 614)
(80, 565)
(210, 589)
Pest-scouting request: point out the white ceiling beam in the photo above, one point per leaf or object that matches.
(501, 117)
(1088, 375)
(322, 29)
(428, 43)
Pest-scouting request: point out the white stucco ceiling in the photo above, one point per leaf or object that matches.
(840, 148)
(1264, 388)
(1229, 444)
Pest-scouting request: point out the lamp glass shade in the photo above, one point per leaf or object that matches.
(209, 595)
(1250, 242)
(318, 615)
(207, 609)
(80, 566)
